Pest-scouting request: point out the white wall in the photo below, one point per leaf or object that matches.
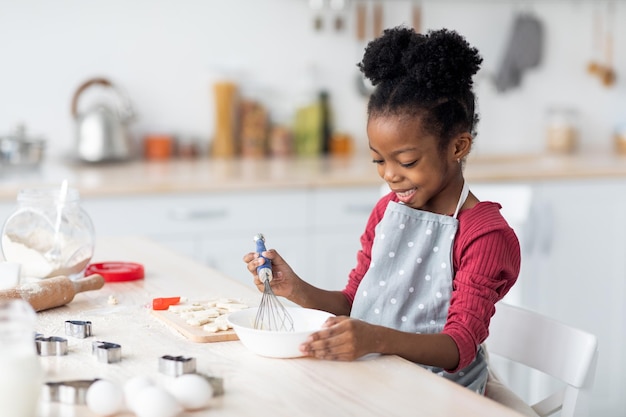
(166, 54)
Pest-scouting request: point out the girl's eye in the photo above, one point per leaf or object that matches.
(408, 165)
(378, 161)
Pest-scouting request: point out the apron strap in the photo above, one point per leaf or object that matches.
(464, 194)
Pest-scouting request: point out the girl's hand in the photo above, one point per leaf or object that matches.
(284, 279)
(342, 338)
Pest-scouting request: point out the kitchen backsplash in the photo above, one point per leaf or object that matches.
(167, 55)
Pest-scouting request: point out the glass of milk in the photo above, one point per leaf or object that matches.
(20, 367)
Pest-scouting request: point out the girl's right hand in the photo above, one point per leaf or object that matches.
(284, 279)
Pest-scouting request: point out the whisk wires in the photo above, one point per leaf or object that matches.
(272, 315)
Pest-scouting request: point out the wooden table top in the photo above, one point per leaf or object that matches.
(254, 385)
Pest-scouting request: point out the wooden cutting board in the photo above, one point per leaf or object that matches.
(193, 333)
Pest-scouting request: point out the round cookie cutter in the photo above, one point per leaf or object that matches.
(114, 271)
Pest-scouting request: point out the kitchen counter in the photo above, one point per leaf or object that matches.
(253, 385)
(206, 175)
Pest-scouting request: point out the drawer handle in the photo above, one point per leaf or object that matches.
(198, 214)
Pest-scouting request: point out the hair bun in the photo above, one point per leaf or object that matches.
(441, 63)
(383, 58)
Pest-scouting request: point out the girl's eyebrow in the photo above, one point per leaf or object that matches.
(396, 152)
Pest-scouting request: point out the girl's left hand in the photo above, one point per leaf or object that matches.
(342, 338)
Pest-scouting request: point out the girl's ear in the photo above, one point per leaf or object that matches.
(461, 146)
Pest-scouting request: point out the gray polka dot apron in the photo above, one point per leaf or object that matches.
(409, 282)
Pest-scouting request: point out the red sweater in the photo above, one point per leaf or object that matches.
(486, 260)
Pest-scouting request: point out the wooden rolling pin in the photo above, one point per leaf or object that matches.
(52, 292)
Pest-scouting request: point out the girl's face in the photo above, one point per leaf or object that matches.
(421, 174)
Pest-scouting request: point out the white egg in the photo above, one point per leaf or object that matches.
(192, 391)
(154, 401)
(104, 398)
(133, 386)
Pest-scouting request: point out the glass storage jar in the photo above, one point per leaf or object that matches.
(49, 234)
(22, 373)
(562, 130)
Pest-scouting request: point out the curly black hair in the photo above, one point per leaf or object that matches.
(424, 74)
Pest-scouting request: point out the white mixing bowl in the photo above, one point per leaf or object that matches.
(277, 344)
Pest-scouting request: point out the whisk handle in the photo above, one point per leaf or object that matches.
(264, 271)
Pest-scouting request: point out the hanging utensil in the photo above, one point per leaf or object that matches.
(363, 85)
(361, 21)
(608, 75)
(416, 15)
(377, 23)
(603, 26)
(594, 66)
(338, 7)
(317, 6)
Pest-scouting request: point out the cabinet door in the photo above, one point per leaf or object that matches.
(216, 229)
(210, 214)
(579, 275)
(340, 216)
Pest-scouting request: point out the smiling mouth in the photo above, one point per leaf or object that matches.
(405, 195)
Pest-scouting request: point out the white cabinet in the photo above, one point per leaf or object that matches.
(216, 229)
(339, 219)
(574, 270)
(316, 230)
(579, 273)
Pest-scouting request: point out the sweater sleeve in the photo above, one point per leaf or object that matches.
(486, 259)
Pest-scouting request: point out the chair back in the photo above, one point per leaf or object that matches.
(554, 348)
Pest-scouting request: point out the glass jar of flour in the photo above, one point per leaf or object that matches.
(22, 373)
(49, 233)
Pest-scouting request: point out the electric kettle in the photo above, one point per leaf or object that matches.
(102, 130)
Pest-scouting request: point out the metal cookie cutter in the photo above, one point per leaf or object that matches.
(67, 392)
(216, 382)
(51, 346)
(176, 365)
(107, 352)
(77, 328)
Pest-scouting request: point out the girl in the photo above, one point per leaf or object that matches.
(434, 259)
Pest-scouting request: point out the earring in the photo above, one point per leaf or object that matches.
(458, 160)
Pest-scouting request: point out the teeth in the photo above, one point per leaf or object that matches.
(406, 193)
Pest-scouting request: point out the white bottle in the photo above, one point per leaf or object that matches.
(20, 368)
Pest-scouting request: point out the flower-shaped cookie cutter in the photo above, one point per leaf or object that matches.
(67, 392)
(106, 352)
(78, 328)
(51, 346)
(176, 365)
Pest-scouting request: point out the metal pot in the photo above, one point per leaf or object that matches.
(17, 149)
(102, 131)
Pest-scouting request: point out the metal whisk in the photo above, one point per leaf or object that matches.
(271, 315)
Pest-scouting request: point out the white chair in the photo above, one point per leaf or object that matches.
(561, 351)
